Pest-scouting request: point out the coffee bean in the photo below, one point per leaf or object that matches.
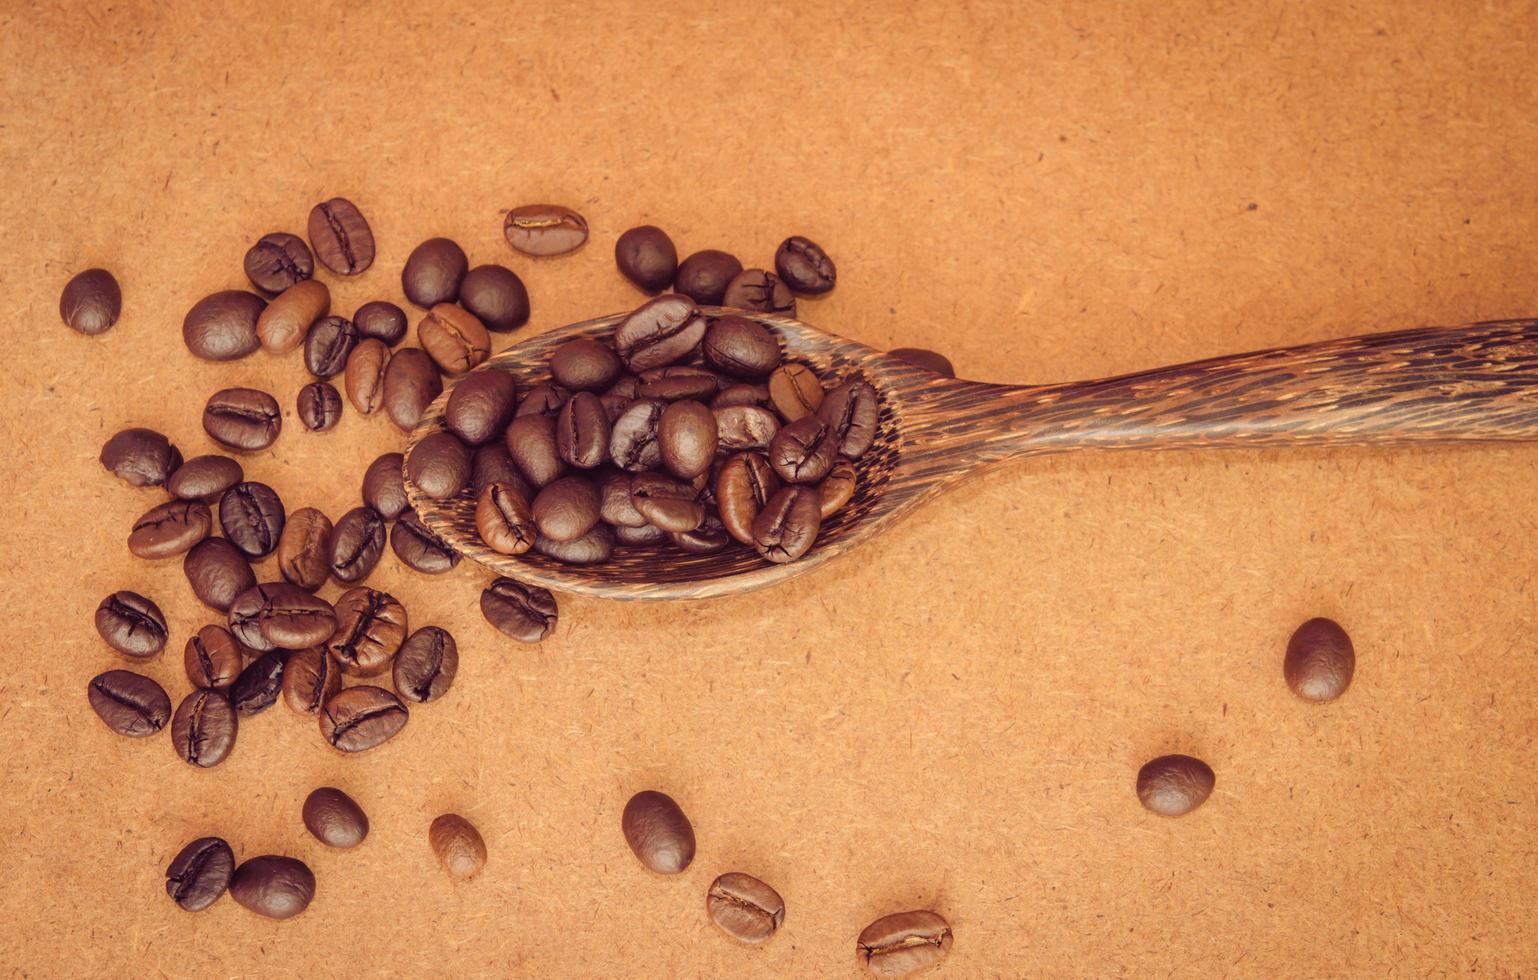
(614, 504)
(370, 626)
(203, 728)
(458, 845)
(744, 486)
(544, 229)
(222, 326)
(272, 885)
(646, 257)
(334, 818)
(496, 296)
(851, 412)
(411, 382)
(1320, 661)
(903, 943)
(760, 291)
(91, 302)
(706, 539)
(357, 541)
(433, 271)
(213, 658)
(439, 465)
(381, 321)
(310, 678)
(592, 548)
(492, 464)
(644, 536)
(242, 419)
(131, 624)
(258, 686)
(744, 908)
(128, 703)
(252, 517)
(532, 445)
(284, 323)
(244, 620)
(926, 359)
(419, 548)
(205, 478)
(666, 503)
(804, 266)
(626, 386)
(803, 451)
(679, 381)
(585, 365)
(614, 406)
(480, 406)
(200, 873)
(737, 396)
(1174, 785)
(293, 618)
(740, 427)
(304, 549)
(503, 519)
(686, 437)
(454, 338)
(582, 431)
(633, 440)
(704, 276)
(785, 529)
(327, 345)
(566, 509)
(319, 406)
(426, 664)
(542, 399)
(140, 457)
(665, 330)
(837, 488)
(278, 261)
(217, 572)
(364, 379)
(742, 348)
(341, 237)
(795, 391)
(383, 487)
(523, 612)
(170, 529)
(359, 718)
(658, 833)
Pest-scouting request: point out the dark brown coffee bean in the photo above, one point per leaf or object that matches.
(383, 487)
(679, 381)
(686, 437)
(566, 509)
(742, 348)
(170, 529)
(804, 266)
(131, 624)
(292, 618)
(244, 619)
(785, 529)
(200, 873)
(357, 541)
(128, 703)
(582, 431)
(926, 359)
(364, 379)
(439, 465)
(140, 457)
(271, 885)
(837, 488)
(278, 261)
(496, 296)
(542, 399)
(733, 396)
(743, 427)
(504, 521)
(418, 548)
(544, 229)
(480, 406)
(458, 845)
(760, 291)
(259, 684)
(665, 330)
(795, 391)
(213, 658)
(242, 419)
(903, 943)
(523, 612)
(433, 272)
(426, 664)
(304, 550)
(532, 445)
(638, 537)
(658, 833)
(251, 515)
(744, 908)
(222, 326)
(646, 257)
(380, 320)
(327, 345)
(411, 382)
(1320, 661)
(703, 276)
(744, 485)
(203, 728)
(851, 412)
(284, 323)
(205, 478)
(454, 338)
(594, 547)
(334, 818)
(585, 364)
(633, 440)
(370, 627)
(626, 385)
(359, 718)
(706, 539)
(666, 503)
(91, 302)
(340, 236)
(803, 451)
(319, 406)
(1174, 785)
(310, 678)
(217, 572)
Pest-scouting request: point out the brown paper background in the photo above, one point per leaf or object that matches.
(953, 717)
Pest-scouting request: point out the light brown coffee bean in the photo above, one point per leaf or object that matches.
(904, 943)
(459, 846)
(454, 338)
(795, 391)
(744, 908)
(304, 550)
(283, 324)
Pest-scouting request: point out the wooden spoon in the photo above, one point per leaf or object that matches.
(1476, 383)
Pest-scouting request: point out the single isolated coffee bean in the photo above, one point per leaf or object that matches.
(91, 302)
(341, 237)
(585, 364)
(200, 873)
(217, 572)
(542, 399)
(205, 478)
(360, 718)
(130, 704)
(327, 345)
(592, 548)
(837, 488)
(795, 391)
(203, 728)
(411, 382)
(131, 624)
(439, 465)
(523, 612)
(277, 261)
(687, 438)
(679, 381)
(1174, 785)
(251, 515)
(658, 833)
(663, 331)
(383, 488)
(744, 486)
(454, 338)
(319, 406)
(304, 549)
(744, 908)
(851, 412)
(1320, 661)
(582, 431)
(704, 276)
(433, 272)
(426, 664)
(633, 439)
(646, 256)
(287, 319)
(742, 348)
(364, 379)
(370, 627)
(926, 359)
(544, 229)
(480, 406)
(804, 266)
(272, 885)
(213, 658)
(458, 845)
(504, 520)
(732, 396)
(310, 678)
(242, 419)
(382, 321)
(496, 296)
(743, 427)
(904, 943)
(357, 541)
(566, 509)
(222, 326)
(532, 444)
(140, 457)
(170, 529)
(258, 686)
(492, 464)
(785, 529)
(803, 451)
(334, 818)
(419, 548)
(760, 291)
(669, 504)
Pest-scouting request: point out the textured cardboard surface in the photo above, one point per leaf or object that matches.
(952, 718)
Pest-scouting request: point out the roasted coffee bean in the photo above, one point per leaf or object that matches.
(566, 509)
(222, 326)
(741, 347)
(91, 302)
(633, 440)
(244, 619)
(804, 266)
(170, 529)
(217, 572)
(252, 517)
(733, 396)
(310, 678)
(380, 320)
(293, 618)
(304, 550)
(744, 485)
(614, 406)
(205, 478)
(496, 296)
(140, 457)
(644, 536)
(795, 391)
(319, 406)
(666, 503)
(426, 664)
(419, 548)
(679, 381)
(926, 359)
(532, 444)
(458, 845)
(131, 624)
(760, 291)
(278, 261)
(706, 539)
(704, 276)
(686, 437)
(492, 464)
(504, 521)
(803, 451)
(523, 612)
(1174, 785)
(454, 338)
(213, 658)
(542, 399)
(592, 548)
(614, 504)
(364, 379)
(383, 488)
(851, 411)
(370, 627)
(744, 908)
(785, 529)
(433, 271)
(411, 382)
(646, 257)
(334, 818)
(582, 431)
(626, 385)
(658, 833)
(1320, 661)
(200, 873)
(585, 364)
(665, 330)
(242, 418)
(903, 943)
(340, 236)
(480, 406)
(272, 885)
(327, 345)
(740, 427)
(359, 718)
(128, 703)
(544, 229)
(258, 686)
(357, 541)
(837, 488)
(439, 465)
(203, 728)
(284, 323)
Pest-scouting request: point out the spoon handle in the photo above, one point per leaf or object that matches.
(1475, 383)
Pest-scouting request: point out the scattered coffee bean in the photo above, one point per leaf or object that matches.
(439, 465)
(252, 517)
(665, 330)
(566, 509)
(272, 885)
(217, 572)
(383, 487)
(741, 427)
(744, 487)
(292, 618)
(287, 319)
(203, 728)
(585, 365)
(763, 292)
(744, 908)
(785, 529)
(370, 627)
(128, 703)
(140, 457)
(704, 276)
(544, 229)
(795, 391)
(310, 678)
(419, 548)
(327, 345)
(1320, 661)
(458, 845)
(582, 431)
(131, 624)
(360, 718)
(304, 550)
(1174, 785)
(504, 521)
(242, 419)
(426, 664)
(491, 464)
(433, 271)
(205, 478)
(742, 348)
(803, 451)
(666, 503)
(904, 943)
(926, 359)
(804, 266)
(364, 379)
(244, 620)
(658, 833)
(592, 548)
(480, 406)
(357, 541)
(646, 256)
(222, 326)
(633, 439)
(454, 338)
(851, 412)
(496, 296)
(258, 686)
(523, 612)
(380, 321)
(732, 396)
(213, 658)
(340, 236)
(542, 399)
(837, 488)
(170, 529)
(334, 818)
(411, 382)
(686, 437)
(319, 406)
(532, 445)
(91, 302)
(200, 873)
(278, 261)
